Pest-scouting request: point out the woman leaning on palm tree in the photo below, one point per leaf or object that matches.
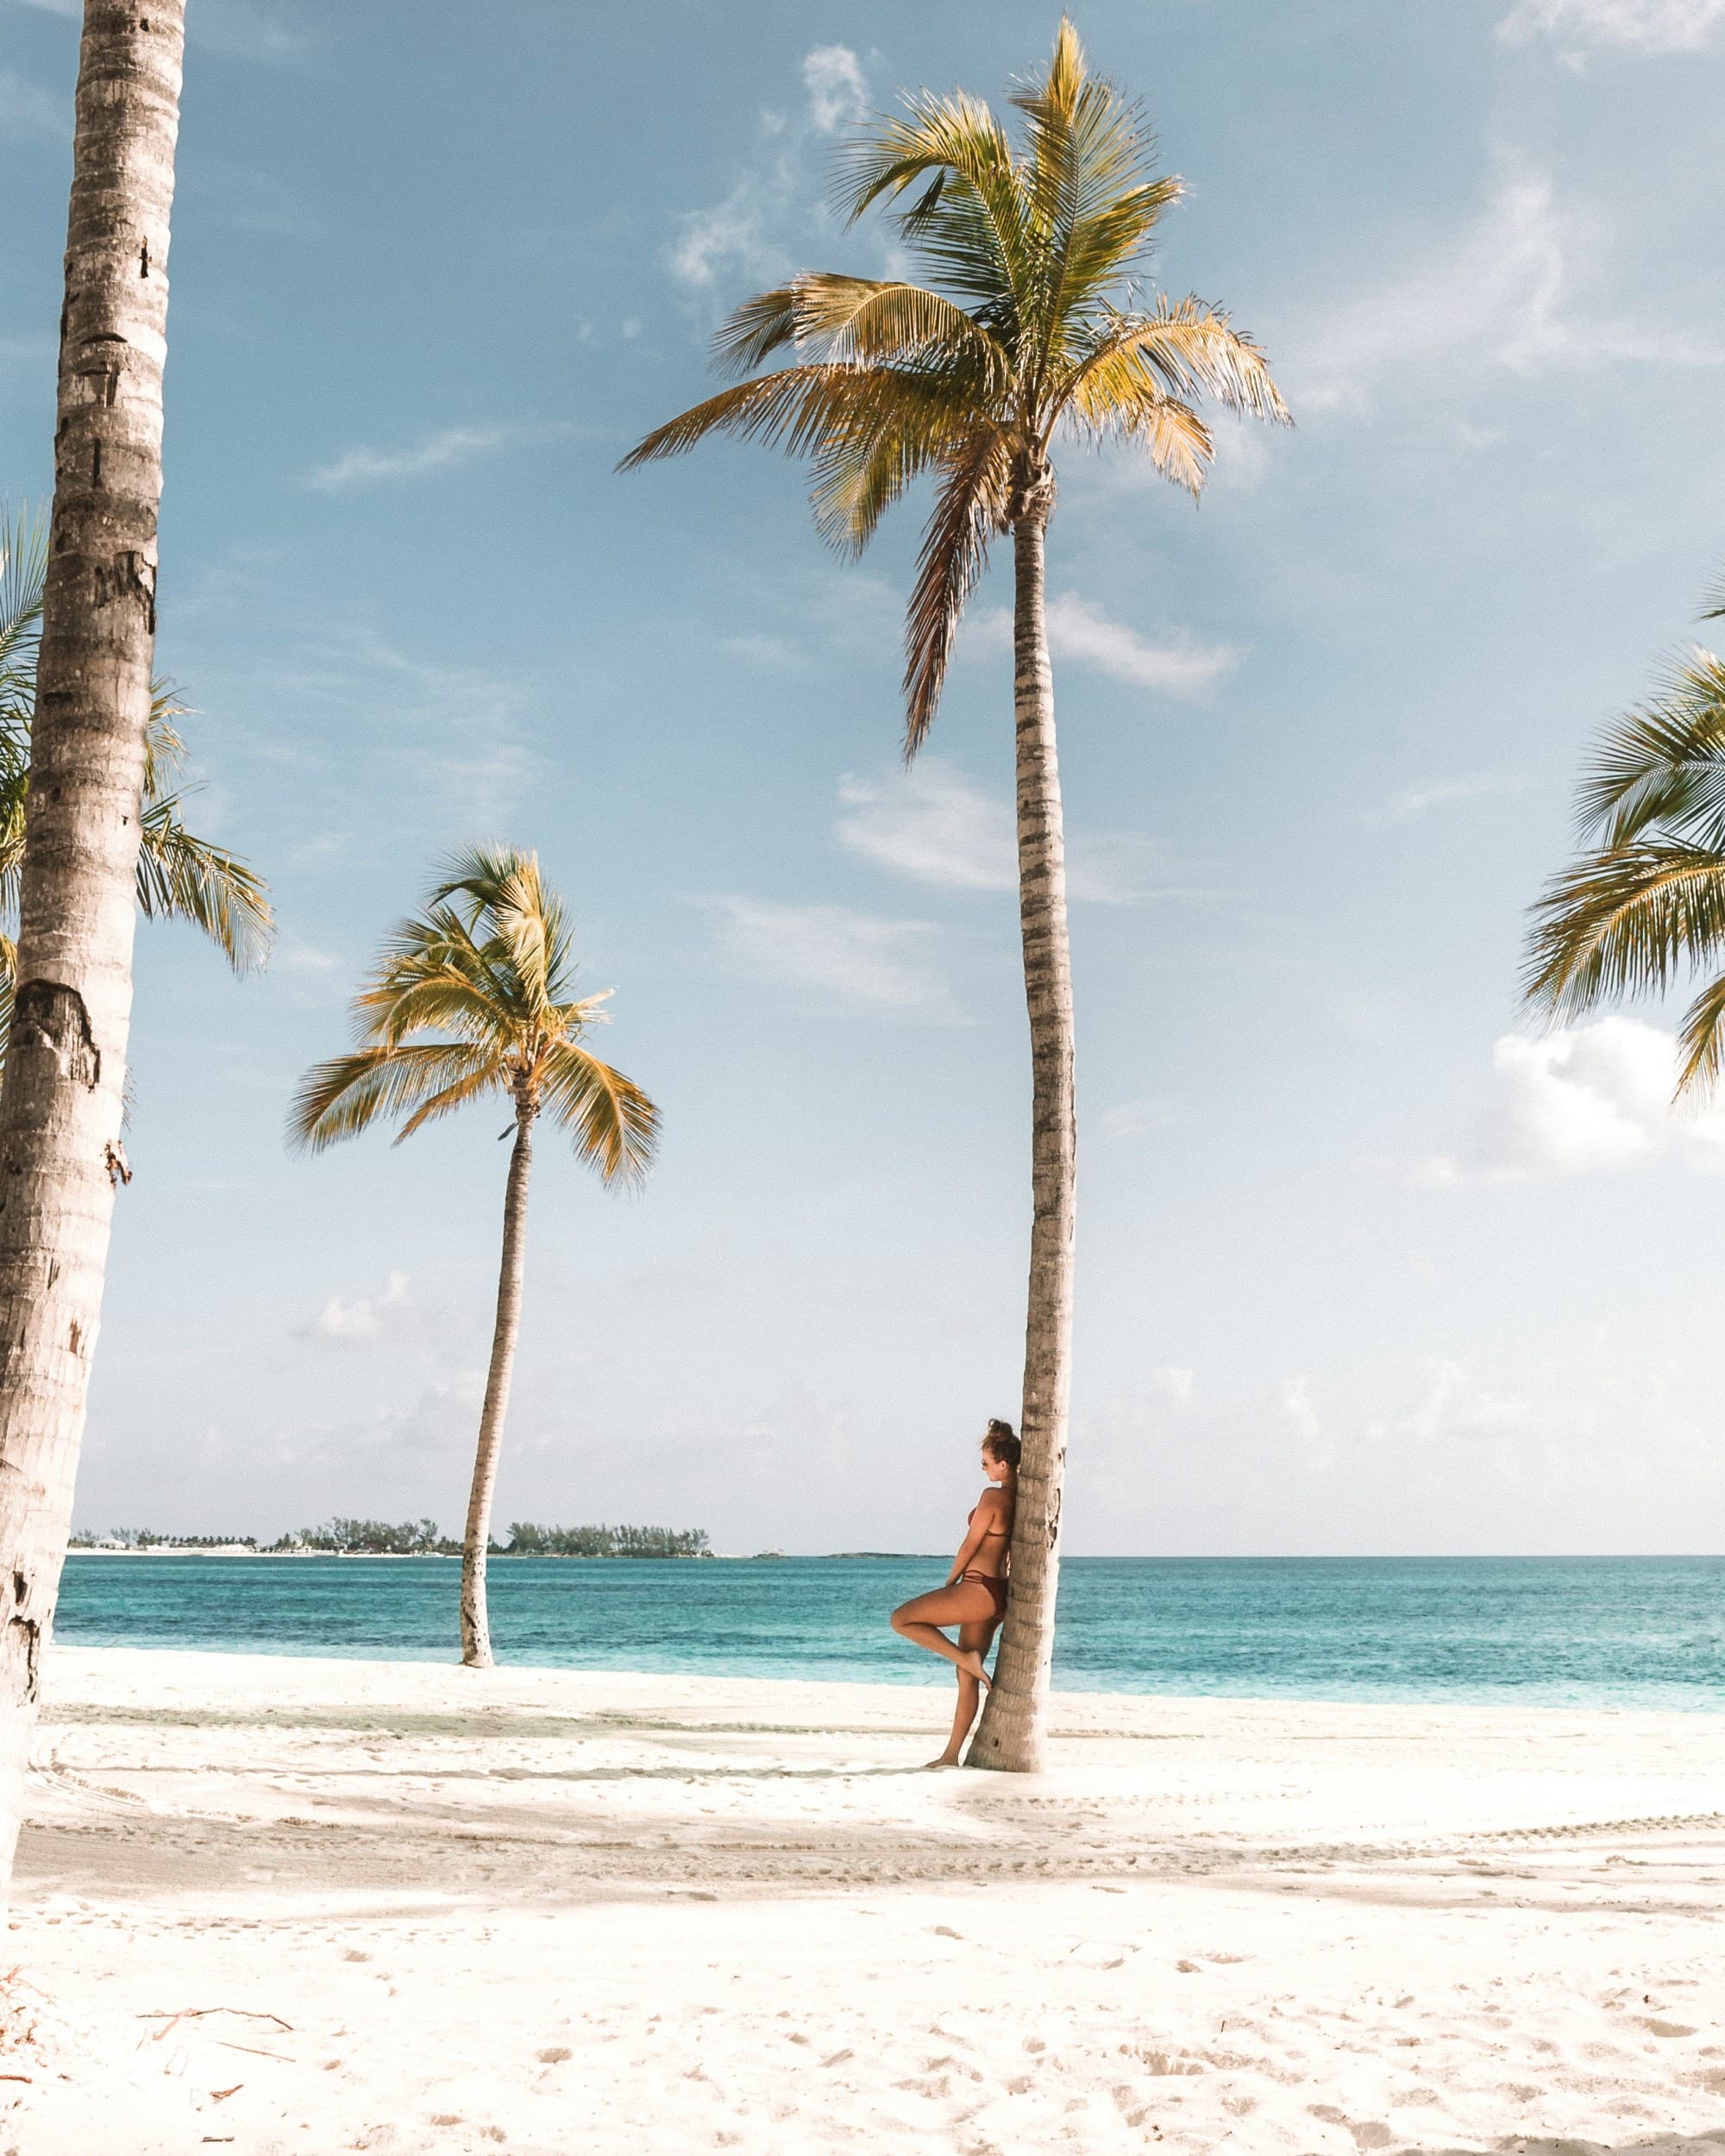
(1031, 330)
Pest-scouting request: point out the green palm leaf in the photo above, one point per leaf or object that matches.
(180, 876)
(1026, 321)
(486, 965)
(1662, 767)
(1647, 904)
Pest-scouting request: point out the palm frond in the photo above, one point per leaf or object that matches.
(1172, 435)
(1181, 348)
(970, 509)
(615, 1125)
(1713, 607)
(487, 965)
(1624, 921)
(1093, 195)
(969, 222)
(862, 469)
(798, 409)
(482, 1079)
(164, 744)
(14, 786)
(346, 1094)
(23, 577)
(1701, 1040)
(181, 877)
(859, 320)
(1662, 767)
(525, 950)
(1026, 321)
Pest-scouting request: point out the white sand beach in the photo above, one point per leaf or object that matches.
(292, 1905)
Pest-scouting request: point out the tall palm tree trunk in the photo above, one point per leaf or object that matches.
(475, 1618)
(1010, 1733)
(61, 1103)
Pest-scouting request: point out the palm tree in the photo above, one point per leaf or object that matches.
(470, 999)
(62, 1099)
(1646, 900)
(1032, 328)
(180, 876)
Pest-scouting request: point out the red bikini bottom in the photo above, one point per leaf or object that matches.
(995, 1585)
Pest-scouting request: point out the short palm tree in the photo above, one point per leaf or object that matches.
(472, 999)
(1033, 329)
(180, 876)
(1646, 901)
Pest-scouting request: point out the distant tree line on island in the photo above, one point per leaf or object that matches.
(423, 1538)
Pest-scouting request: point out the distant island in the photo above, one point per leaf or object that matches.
(408, 1539)
(342, 1537)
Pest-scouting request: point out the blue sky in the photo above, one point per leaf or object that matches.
(1364, 1263)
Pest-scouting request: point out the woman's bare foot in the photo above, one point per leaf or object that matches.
(971, 1665)
(944, 1761)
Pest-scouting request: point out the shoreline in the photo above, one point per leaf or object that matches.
(919, 1675)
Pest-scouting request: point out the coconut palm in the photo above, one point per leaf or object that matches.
(1646, 901)
(63, 1096)
(180, 876)
(471, 998)
(1033, 329)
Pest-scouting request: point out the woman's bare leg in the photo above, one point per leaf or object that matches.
(977, 1637)
(967, 1604)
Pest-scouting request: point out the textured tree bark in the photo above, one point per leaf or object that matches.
(475, 1618)
(61, 1098)
(1010, 1733)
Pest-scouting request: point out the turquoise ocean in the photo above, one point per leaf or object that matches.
(1620, 1632)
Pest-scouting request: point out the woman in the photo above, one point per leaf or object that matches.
(974, 1595)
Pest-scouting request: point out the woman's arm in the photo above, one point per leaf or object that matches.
(967, 1549)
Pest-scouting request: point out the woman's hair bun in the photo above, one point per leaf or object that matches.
(1002, 1441)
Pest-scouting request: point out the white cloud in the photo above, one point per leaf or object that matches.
(1588, 1097)
(1455, 1405)
(1297, 1405)
(729, 236)
(838, 96)
(1506, 294)
(364, 466)
(765, 650)
(27, 109)
(931, 824)
(389, 1316)
(1134, 1118)
(748, 231)
(1173, 1383)
(1421, 800)
(1645, 26)
(306, 958)
(1079, 630)
(870, 964)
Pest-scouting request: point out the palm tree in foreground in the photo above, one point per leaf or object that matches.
(62, 1098)
(1647, 901)
(178, 876)
(1032, 328)
(471, 998)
